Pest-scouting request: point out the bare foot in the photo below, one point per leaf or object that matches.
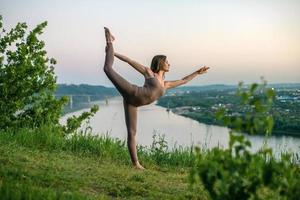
(109, 37)
(138, 166)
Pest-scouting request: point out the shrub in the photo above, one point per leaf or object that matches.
(28, 82)
(236, 173)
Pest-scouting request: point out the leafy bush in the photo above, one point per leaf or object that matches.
(28, 82)
(236, 173)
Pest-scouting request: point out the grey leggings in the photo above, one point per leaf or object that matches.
(126, 89)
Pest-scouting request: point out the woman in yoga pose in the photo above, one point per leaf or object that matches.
(135, 96)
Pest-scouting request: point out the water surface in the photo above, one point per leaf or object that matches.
(178, 130)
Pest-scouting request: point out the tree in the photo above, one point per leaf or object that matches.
(27, 80)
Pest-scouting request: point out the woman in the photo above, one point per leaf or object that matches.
(135, 96)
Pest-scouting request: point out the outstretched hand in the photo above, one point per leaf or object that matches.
(202, 70)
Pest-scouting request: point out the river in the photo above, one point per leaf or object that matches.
(177, 130)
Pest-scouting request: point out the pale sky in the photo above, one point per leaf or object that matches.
(240, 40)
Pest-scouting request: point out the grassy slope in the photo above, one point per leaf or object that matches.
(58, 174)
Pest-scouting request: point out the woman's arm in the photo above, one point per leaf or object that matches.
(139, 67)
(172, 84)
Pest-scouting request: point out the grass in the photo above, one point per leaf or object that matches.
(42, 164)
(100, 146)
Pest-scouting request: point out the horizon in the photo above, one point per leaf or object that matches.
(239, 41)
(187, 85)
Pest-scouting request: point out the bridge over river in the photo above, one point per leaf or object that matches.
(84, 98)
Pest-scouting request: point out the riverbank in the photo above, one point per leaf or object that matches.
(202, 105)
(209, 118)
(212, 121)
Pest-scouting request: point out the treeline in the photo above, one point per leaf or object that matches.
(83, 95)
(85, 89)
(225, 87)
(204, 104)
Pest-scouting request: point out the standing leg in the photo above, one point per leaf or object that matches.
(131, 124)
(123, 86)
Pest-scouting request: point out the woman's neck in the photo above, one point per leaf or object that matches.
(161, 74)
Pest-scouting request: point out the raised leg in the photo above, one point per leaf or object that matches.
(131, 124)
(123, 86)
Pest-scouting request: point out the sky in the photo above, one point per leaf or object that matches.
(240, 40)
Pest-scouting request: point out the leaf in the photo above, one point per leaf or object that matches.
(245, 97)
(270, 93)
(253, 87)
(220, 113)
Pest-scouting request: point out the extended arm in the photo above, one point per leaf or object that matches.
(172, 84)
(139, 67)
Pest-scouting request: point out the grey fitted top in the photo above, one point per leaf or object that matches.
(155, 85)
(148, 93)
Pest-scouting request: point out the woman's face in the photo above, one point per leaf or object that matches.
(165, 66)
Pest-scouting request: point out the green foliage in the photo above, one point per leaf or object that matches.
(73, 123)
(247, 176)
(160, 154)
(50, 138)
(201, 104)
(256, 103)
(97, 92)
(27, 81)
(236, 173)
(159, 148)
